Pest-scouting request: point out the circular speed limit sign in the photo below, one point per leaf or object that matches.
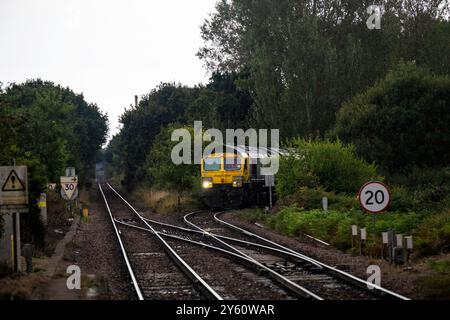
(374, 197)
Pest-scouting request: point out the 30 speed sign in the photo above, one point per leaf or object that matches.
(374, 197)
(69, 187)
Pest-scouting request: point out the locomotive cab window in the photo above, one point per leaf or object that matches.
(211, 164)
(233, 164)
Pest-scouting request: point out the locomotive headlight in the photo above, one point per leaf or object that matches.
(207, 183)
(237, 182)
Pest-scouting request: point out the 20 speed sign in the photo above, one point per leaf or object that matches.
(374, 197)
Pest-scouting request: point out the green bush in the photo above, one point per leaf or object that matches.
(162, 172)
(421, 190)
(400, 122)
(441, 266)
(402, 199)
(332, 165)
(309, 199)
(433, 234)
(293, 174)
(332, 226)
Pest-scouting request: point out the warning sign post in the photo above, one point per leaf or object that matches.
(13, 202)
(14, 187)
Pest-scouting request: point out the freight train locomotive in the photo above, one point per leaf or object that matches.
(233, 178)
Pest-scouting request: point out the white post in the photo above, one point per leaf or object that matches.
(325, 203)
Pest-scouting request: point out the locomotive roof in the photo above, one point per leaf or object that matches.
(255, 153)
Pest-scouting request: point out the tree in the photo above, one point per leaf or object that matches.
(402, 121)
(307, 57)
(141, 124)
(162, 172)
(47, 128)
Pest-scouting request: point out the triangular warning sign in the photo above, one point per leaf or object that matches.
(13, 183)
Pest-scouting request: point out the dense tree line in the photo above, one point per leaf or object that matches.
(293, 64)
(48, 128)
(306, 57)
(219, 104)
(401, 122)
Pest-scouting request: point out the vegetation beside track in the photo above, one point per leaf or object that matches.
(362, 114)
(48, 127)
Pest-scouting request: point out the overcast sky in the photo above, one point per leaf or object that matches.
(107, 50)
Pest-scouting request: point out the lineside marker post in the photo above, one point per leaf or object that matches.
(408, 247)
(391, 245)
(384, 244)
(354, 234)
(363, 240)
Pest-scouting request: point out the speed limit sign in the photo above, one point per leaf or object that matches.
(69, 188)
(374, 197)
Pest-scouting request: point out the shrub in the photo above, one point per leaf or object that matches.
(293, 174)
(402, 199)
(400, 122)
(309, 199)
(162, 172)
(433, 235)
(332, 165)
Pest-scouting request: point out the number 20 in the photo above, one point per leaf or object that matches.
(379, 197)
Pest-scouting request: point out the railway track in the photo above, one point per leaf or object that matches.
(296, 275)
(244, 285)
(155, 269)
(322, 279)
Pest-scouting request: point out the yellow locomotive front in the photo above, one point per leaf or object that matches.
(235, 178)
(224, 179)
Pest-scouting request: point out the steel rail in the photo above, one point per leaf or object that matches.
(250, 262)
(122, 248)
(238, 241)
(204, 287)
(339, 273)
(201, 244)
(294, 287)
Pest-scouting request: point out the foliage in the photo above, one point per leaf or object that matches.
(400, 122)
(308, 199)
(441, 266)
(48, 128)
(306, 57)
(52, 124)
(294, 173)
(162, 172)
(220, 104)
(332, 165)
(142, 123)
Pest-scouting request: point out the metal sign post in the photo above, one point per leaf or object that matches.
(70, 172)
(13, 201)
(69, 188)
(374, 198)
